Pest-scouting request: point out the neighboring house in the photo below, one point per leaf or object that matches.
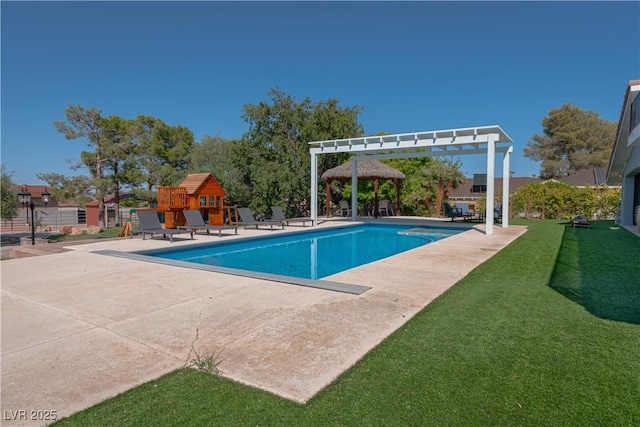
(44, 215)
(93, 212)
(624, 165)
(62, 212)
(476, 188)
(55, 214)
(69, 213)
(586, 178)
(36, 195)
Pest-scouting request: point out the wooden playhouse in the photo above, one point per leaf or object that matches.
(198, 191)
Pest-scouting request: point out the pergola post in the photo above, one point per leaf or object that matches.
(397, 211)
(327, 203)
(491, 173)
(314, 188)
(506, 177)
(354, 189)
(376, 202)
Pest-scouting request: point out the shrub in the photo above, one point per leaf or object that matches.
(557, 200)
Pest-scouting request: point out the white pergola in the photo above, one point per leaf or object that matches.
(488, 140)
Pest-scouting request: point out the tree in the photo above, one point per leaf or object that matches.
(558, 200)
(415, 199)
(572, 140)
(140, 154)
(214, 155)
(113, 140)
(78, 188)
(163, 155)
(446, 175)
(8, 194)
(328, 121)
(119, 140)
(273, 156)
(87, 124)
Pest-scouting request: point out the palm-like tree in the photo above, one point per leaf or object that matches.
(446, 175)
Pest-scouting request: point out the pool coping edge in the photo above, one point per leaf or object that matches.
(318, 284)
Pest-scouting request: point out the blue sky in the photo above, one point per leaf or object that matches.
(412, 66)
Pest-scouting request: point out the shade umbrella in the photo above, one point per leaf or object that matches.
(371, 170)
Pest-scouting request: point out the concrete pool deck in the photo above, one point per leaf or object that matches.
(79, 327)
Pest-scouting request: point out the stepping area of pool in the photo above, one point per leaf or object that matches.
(79, 327)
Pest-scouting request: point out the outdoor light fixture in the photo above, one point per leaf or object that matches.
(24, 198)
(45, 197)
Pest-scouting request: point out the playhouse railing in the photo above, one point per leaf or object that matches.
(172, 198)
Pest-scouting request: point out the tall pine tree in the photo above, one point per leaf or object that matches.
(572, 140)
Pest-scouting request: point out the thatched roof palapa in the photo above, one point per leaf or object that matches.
(367, 169)
(371, 170)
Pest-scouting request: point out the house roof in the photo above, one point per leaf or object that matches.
(35, 190)
(194, 181)
(110, 198)
(68, 203)
(586, 178)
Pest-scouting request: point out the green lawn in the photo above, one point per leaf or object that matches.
(547, 332)
(109, 233)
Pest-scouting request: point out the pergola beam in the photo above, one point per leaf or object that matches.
(477, 135)
(351, 145)
(427, 153)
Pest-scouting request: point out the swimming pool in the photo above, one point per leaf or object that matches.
(310, 254)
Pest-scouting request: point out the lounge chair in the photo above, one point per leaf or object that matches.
(580, 221)
(150, 224)
(278, 215)
(467, 215)
(451, 212)
(195, 222)
(247, 219)
(497, 212)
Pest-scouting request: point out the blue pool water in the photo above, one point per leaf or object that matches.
(312, 254)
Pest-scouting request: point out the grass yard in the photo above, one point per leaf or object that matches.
(109, 233)
(547, 332)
